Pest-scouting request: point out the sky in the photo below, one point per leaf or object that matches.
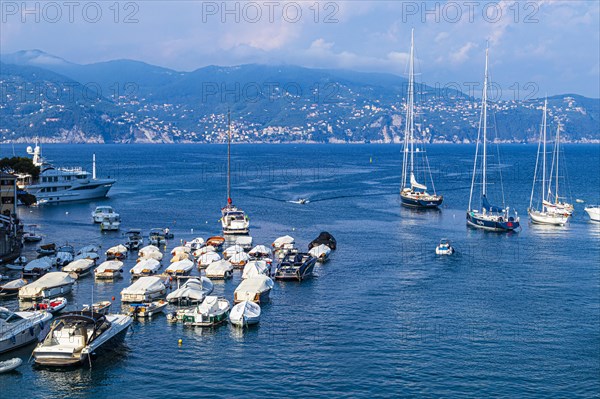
(537, 47)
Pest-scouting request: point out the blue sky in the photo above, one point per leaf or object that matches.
(551, 47)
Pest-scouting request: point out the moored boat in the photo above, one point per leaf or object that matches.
(260, 252)
(144, 289)
(109, 270)
(207, 258)
(134, 239)
(239, 259)
(147, 309)
(50, 305)
(245, 313)
(324, 238)
(20, 328)
(219, 270)
(180, 268)
(444, 248)
(49, 285)
(101, 307)
(10, 365)
(80, 267)
(256, 268)
(11, 288)
(145, 267)
(593, 212)
(194, 290)
(320, 252)
(295, 266)
(211, 312)
(195, 244)
(64, 255)
(118, 252)
(254, 289)
(101, 212)
(37, 267)
(232, 250)
(216, 242)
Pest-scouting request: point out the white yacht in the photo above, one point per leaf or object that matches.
(20, 328)
(594, 212)
(101, 212)
(56, 185)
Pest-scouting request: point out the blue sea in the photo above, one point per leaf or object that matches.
(510, 315)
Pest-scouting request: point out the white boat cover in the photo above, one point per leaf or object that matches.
(244, 241)
(79, 264)
(49, 280)
(254, 285)
(196, 242)
(179, 256)
(260, 249)
(87, 249)
(183, 249)
(88, 255)
(193, 289)
(183, 266)
(148, 248)
(281, 241)
(414, 184)
(210, 305)
(144, 285)
(204, 250)
(208, 258)
(152, 255)
(230, 251)
(117, 249)
(149, 265)
(18, 283)
(239, 257)
(219, 268)
(255, 268)
(40, 263)
(320, 250)
(108, 266)
(245, 309)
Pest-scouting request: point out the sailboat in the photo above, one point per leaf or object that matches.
(414, 194)
(548, 214)
(234, 221)
(553, 202)
(489, 217)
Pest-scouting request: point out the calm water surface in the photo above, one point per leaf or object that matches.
(510, 315)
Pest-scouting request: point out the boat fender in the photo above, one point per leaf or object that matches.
(31, 331)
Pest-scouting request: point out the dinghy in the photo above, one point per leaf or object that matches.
(256, 268)
(181, 268)
(255, 289)
(211, 312)
(208, 258)
(216, 242)
(145, 267)
(192, 291)
(145, 289)
(50, 305)
(219, 270)
(245, 313)
(10, 365)
(98, 307)
(80, 267)
(109, 270)
(147, 309)
(49, 285)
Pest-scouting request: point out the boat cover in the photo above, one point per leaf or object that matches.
(151, 265)
(208, 258)
(490, 208)
(78, 264)
(193, 289)
(260, 250)
(320, 250)
(204, 250)
(117, 249)
(177, 250)
(50, 280)
(144, 285)
(40, 263)
(256, 284)
(255, 268)
(230, 251)
(281, 241)
(184, 265)
(219, 267)
(148, 248)
(109, 265)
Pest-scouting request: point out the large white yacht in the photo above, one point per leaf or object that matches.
(57, 185)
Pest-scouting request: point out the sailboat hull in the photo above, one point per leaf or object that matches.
(496, 224)
(427, 203)
(553, 219)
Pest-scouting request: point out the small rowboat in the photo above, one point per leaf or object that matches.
(216, 241)
(10, 365)
(98, 307)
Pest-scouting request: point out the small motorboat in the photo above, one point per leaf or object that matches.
(147, 249)
(88, 249)
(74, 336)
(18, 264)
(158, 237)
(295, 266)
(244, 241)
(232, 250)
(260, 252)
(256, 268)
(284, 246)
(109, 270)
(64, 255)
(206, 259)
(145, 289)
(593, 212)
(211, 312)
(239, 259)
(10, 364)
(444, 248)
(118, 252)
(156, 255)
(11, 288)
(38, 267)
(47, 249)
(49, 285)
(244, 314)
(255, 289)
(134, 239)
(147, 309)
(20, 328)
(192, 291)
(180, 256)
(181, 249)
(111, 223)
(31, 236)
(324, 238)
(321, 252)
(216, 241)
(101, 212)
(93, 256)
(80, 267)
(101, 307)
(180, 268)
(204, 250)
(219, 270)
(195, 244)
(145, 267)
(50, 305)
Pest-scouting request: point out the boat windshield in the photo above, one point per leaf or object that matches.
(9, 317)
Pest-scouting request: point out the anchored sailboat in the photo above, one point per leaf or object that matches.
(489, 217)
(549, 213)
(233, 220)
(414, 194)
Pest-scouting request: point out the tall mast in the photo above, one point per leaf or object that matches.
(411, 100)
(484, 101)
(544, 152)
(557, 155)
(228, 157)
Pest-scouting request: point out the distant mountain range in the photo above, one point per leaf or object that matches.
(127, 101)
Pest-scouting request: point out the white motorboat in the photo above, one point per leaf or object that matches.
(444, 248)
(593, 212)
(195, 244)
(180, 256)
(181, 249)
(74, 336)
(53, 306)
(101, 307)
(204, 250)
(157, 236)
(18, 264)
(20, 328)
(49, 285)
(11, 288)
(232, 250)
(145, 289)
(245, 313)
(109, 270)
(31, 236)
(208, 258)
(145, 267)
(135, 239)
(283, 246)
(211, 312)
(239, 259)
(321, 252)
(260, 252)
(81, 267)
(150, 252)
(10, 364)
(147, 309)
(219, 270)
(38, 267)
(194, 290)
(147, 249)
(88, 249)
(256, 268)
(64, 255)
(216, 242)
(101, 212)
(93, 256)
(255, 289)
(111, 223)
(117, 252)
(244, 241)
(180, 268)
